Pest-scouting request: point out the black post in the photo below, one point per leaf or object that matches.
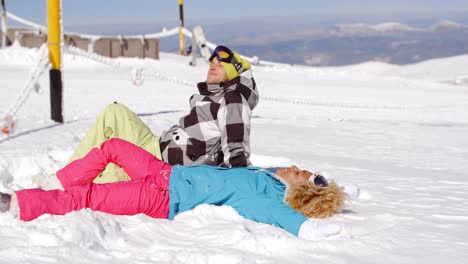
(54, 37)
(5, 32)
(56, 95)
(181, 14)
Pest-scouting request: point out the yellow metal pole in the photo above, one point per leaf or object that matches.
(55, 54)
(53, 23)
(181, 33)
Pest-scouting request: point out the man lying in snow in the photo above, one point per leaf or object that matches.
(216, 131)
(284, 199)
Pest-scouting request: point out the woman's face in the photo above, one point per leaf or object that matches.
(216, 73)
(293, 174)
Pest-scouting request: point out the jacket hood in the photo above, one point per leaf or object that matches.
(281, 184)
(244, 84)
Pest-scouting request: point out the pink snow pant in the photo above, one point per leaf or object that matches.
(147, 192)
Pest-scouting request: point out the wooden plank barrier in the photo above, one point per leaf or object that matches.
(108, 47)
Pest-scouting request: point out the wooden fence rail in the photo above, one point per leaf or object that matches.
(109, 47)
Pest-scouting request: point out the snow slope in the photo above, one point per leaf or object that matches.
(398, 132)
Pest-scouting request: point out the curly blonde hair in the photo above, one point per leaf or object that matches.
(316, 201)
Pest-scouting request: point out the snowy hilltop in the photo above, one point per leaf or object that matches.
(351, 43)
(399, 132)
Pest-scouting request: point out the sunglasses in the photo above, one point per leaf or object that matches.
(318, 180)
(222, 53)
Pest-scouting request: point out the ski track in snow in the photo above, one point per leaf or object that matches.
(399, 132)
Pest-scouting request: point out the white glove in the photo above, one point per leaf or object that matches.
(315, 230)
(352, 190)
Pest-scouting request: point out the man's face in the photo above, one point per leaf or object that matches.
(293, 174)
(216, 73)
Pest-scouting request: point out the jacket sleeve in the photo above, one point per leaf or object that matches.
(275, 212)
(234, 123)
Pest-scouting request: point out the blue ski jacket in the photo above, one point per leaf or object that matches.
(253, 192)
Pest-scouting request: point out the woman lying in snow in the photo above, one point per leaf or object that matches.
(285, 198)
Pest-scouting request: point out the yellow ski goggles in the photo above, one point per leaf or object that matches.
(222, 53)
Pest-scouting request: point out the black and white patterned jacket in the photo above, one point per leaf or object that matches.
(217, 130)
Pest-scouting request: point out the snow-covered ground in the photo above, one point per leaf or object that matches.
(399, 132)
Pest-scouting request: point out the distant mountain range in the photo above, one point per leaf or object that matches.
(319, 41)
(345, 44)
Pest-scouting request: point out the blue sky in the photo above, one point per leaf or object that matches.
(85, 12)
